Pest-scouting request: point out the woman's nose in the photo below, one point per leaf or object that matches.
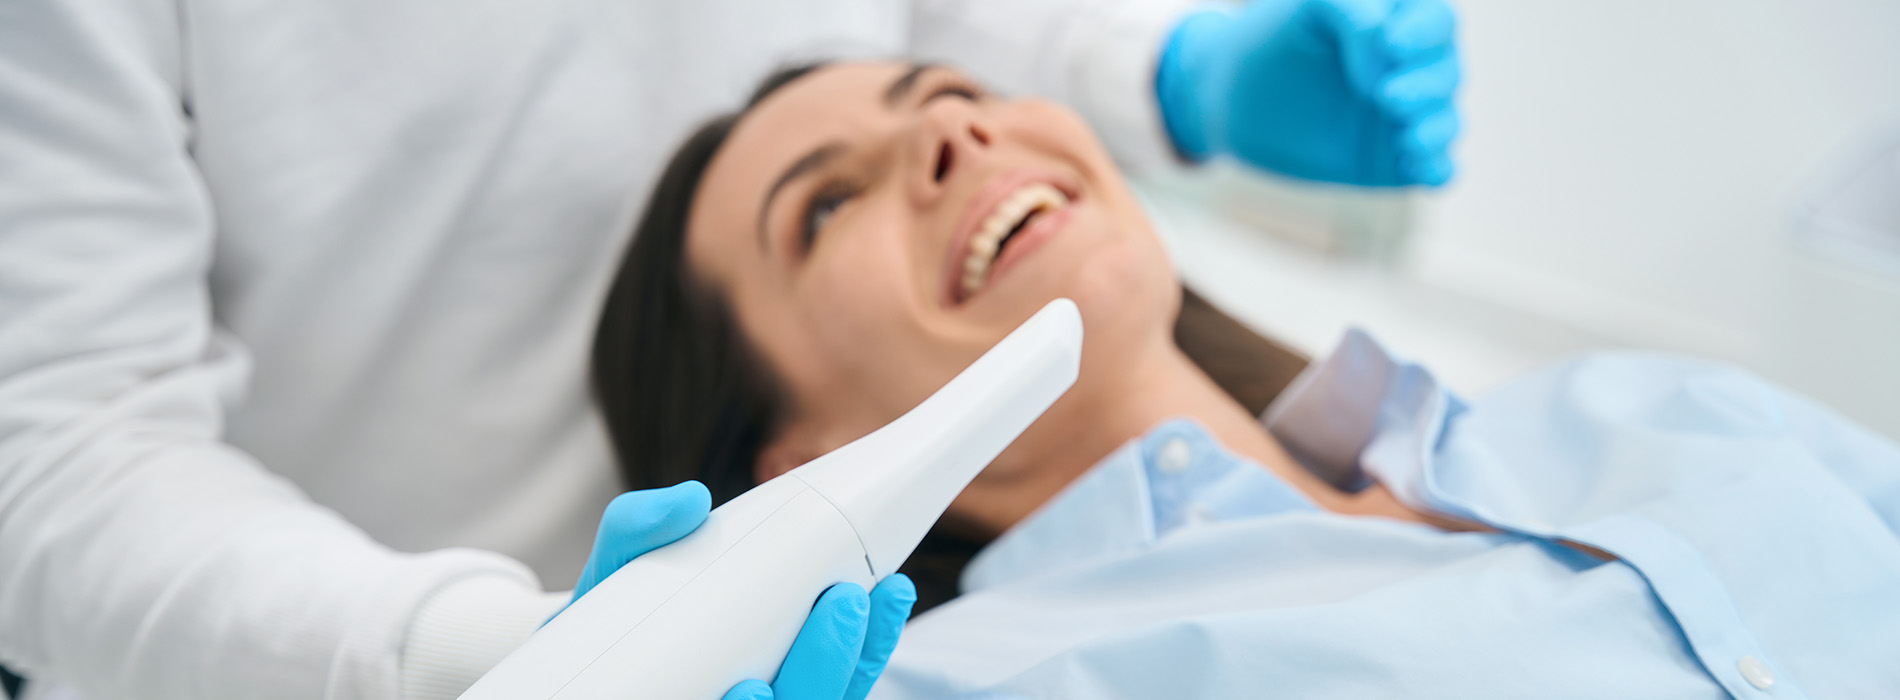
(952, 137)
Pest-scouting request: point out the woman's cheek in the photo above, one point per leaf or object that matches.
(860, 291)
(1054, 128)
(868, 263)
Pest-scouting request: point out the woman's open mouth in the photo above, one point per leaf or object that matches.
(993, 242)
(1010, 217)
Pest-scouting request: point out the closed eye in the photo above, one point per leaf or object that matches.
(955, 90)
(823, 202)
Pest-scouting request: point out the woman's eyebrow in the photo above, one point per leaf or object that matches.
(807, 163)
(902, 85)
(817, 157)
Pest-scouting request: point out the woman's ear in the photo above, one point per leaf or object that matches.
(787, 449)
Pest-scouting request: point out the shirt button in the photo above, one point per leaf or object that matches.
(1756, 673)
(1174, 456)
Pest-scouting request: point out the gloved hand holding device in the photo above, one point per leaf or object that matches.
(1356, 92)
(846, 640)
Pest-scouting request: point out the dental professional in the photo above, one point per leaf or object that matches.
(295, 299)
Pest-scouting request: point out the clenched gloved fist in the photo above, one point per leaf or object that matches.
(1348, 91)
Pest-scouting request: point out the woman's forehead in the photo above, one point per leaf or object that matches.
(798, 117)
(830, 104)
(833, 88)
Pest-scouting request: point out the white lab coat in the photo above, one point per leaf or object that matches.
(295, 301)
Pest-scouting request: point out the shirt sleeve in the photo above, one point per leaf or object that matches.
(1098, 56)
(140, 556)
(464, 629)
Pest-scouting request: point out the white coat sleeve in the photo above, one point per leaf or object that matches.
(139, 556)
(1098, 56)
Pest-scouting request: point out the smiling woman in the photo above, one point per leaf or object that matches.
(810, 268)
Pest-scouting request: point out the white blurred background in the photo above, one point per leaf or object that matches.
(1717, 178)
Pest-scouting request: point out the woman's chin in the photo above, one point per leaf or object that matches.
(1121, 280)
(1126, 301)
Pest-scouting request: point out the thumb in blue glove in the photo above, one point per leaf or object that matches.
(1348, 91)
(843, 647)
(637, 522)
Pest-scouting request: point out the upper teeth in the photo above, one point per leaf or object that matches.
(1007, 215)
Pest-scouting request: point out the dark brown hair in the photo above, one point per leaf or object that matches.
(685, 397)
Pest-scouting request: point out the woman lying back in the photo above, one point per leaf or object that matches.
(813, 267)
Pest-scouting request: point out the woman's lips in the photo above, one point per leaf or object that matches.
(1007, 219)
(995, 193)
(1027, 240)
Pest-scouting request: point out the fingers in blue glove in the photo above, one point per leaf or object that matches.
(1356, 26)
(1425, 148)
(1351, 16)
(1422, 90)
(750, 690)
(1434, 171)
(891, 601)
(825, 654)
(1379, 38)
(1431, 135)
(1420, 30)
(637, 522)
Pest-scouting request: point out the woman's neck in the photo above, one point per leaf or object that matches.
(1178, 388)
(1164, 386)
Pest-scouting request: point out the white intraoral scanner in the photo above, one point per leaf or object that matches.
(723, 604)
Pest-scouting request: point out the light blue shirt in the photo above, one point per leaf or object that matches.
(1755, 534)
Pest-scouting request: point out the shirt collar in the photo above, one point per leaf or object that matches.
(1174, 477)
(1328, 415)
(1361, 414)
(1177, 476)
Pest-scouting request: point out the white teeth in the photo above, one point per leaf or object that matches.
(1006, 216)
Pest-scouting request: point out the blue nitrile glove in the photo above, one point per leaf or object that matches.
(1349, 91)
(843, 648)
(637, 522)
(846, 639)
